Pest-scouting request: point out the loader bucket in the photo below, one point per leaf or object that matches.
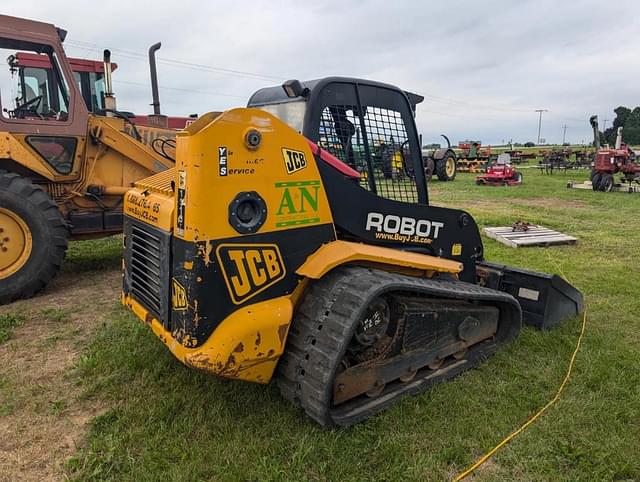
(545, 299)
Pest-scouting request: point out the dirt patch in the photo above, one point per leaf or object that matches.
(42, 419)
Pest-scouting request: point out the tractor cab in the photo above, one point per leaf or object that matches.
(32, 87)
(367, 125)
(35, 83)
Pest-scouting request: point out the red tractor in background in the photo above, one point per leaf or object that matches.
(500, 173)
(621, 159)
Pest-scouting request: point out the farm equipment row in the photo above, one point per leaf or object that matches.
(469, 156)
(560, 159)
(472, 157)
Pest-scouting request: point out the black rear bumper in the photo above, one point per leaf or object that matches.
(545, 299)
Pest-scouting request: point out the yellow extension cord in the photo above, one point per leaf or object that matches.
(533, 418)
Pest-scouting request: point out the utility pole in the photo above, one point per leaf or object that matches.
(540, 111)
(604, 124)
(564, 133)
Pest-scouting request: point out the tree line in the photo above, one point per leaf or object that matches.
(629, 120)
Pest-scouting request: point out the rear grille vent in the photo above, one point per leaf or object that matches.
(146, 268)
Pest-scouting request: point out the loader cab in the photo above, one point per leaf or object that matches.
(36, 88)
(365, 124)
(34, 76)
(40, 103)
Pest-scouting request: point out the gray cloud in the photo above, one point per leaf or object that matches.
(482, 66)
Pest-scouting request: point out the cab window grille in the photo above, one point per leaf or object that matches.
(375, 144)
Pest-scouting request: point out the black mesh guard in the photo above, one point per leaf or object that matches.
(375, 144)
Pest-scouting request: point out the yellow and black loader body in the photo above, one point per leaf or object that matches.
(282, 244)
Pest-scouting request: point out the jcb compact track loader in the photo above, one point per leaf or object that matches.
(277, 248)
(63, 169)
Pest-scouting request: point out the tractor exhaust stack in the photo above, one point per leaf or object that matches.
(593, 120)
(156, 119)
(154, 77)
(109, 97)
(619, 138)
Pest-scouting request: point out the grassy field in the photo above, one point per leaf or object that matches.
(150, 418)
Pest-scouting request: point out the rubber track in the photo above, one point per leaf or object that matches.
(57, 251)
(324, 324)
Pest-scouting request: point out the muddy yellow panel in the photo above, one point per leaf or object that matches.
(250, 209)
(242, 161)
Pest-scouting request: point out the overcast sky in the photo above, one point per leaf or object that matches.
(483, 67)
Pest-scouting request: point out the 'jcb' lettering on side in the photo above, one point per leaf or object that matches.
(293, 160)
(178, 296)
(249, 269)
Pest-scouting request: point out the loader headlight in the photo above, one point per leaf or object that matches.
(294, 88)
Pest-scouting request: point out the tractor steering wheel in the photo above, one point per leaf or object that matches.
(29, 106)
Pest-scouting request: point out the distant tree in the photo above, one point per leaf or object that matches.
(629, 120)
(529, 144)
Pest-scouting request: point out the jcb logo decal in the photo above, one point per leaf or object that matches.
(178, 296)
(293, 160)
(249, 269)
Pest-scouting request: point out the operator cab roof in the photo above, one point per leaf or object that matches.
(277, 94)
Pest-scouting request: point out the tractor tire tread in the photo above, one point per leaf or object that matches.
(441, 168)
(51, 216)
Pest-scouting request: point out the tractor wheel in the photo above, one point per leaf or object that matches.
(517, 176)
(606, 183)
(595, 181)
(446, 167)
(429, 167)
(33, 238)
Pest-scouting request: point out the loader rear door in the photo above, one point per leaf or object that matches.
(371, 128)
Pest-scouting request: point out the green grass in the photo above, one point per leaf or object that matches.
(167, 422)
(8, 322)
(95, 255)
(55, 314)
